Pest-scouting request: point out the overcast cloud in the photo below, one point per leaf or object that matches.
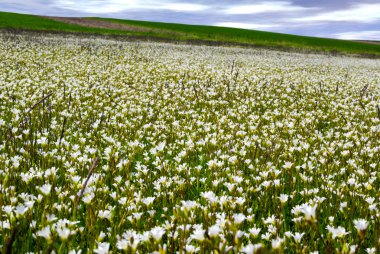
(344, 19)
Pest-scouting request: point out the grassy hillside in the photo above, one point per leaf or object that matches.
(31, 22)
(181, 32)
(260, 38)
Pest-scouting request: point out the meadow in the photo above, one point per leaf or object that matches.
(136, 147)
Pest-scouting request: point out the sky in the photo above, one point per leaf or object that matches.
(342, 19)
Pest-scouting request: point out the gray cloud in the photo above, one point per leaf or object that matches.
(359, 35)
(264, 7)
(329, 18)
(117, 6)
(360, 13)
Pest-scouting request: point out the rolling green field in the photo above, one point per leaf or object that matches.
(195, 34)
(31, 22)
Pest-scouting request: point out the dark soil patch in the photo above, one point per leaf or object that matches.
(368, 42)
(94, 23)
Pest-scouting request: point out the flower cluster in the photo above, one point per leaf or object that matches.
(134, 147)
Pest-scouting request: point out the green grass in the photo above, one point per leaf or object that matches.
(196, 33)
(31, 22)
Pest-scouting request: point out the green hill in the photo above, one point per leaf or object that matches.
(31, 22)
(188, 33)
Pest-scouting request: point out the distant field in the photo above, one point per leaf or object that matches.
(258, 38)
(31, 22)
(186, 33)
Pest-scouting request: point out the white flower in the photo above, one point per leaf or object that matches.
(75, 252)
(353, 249)
(297, 236)
(370, 200)
(64, 233)
(107, 152)
(5, 225)
(101, 236)
(51, 217)
(238, 218)
(148, 201)
(157, 233)
(145, 236)
(105, 214)
(161, 146)
(270, 220)
(309, 211)
(287, 165)
(188, 205)
(7, 209)
(240, 200)
(42, 141)
(251, 248)
(266, 236)
(276, 243)
(45, 189)
(45, 233)
(361, 224)
(210, 196)
(371, 250)
(254, 231)
(191, 248)
(122, 244)
(198, 234)
(137, 216)
(88, 197)
(214, 230)
(21, 209)
(283, 198)
(337, 232)
(103, 248)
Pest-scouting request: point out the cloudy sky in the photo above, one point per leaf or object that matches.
(344, 19)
